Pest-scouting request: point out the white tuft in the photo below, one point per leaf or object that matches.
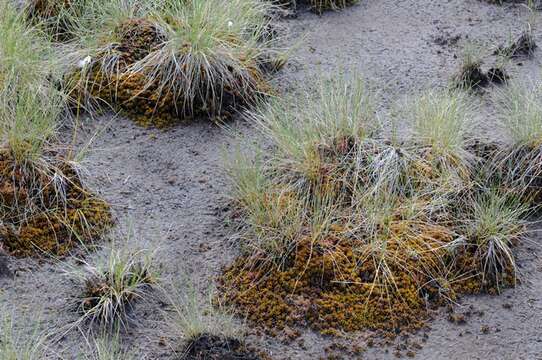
(84, 62)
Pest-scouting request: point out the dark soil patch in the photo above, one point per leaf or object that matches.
(524, 45)
(318, 6)
(210, 347)
(4, 261)
(497, 75)
(473, 77)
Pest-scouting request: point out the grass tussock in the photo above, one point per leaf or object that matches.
(163, 62)
(44, 206)
(111, 286)
(344, 228)
(470, 75)
(207, 330)
(524, 45)
(56, 17)
(520, 119)
(194, 315)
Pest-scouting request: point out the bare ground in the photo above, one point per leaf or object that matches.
(170, 185)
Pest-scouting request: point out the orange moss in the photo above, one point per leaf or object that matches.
(331, 286)
(334, 287)
(37, 218)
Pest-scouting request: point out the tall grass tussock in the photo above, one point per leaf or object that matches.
(347, 228)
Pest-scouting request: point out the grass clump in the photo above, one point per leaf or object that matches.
(470, 75)
(112, 285)
(207, 330)
(524, 45)
(319, 6)
(520, 120)
(345, 228)
(496, 223)
(57, 17)
(44, 205)
(175, 60)
(109, 348)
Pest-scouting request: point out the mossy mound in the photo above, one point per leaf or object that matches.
(47, 211)
(144, 93)
(55, 16)
(333, 287)
(378, 265)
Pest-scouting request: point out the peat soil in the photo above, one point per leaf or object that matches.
(169, 186)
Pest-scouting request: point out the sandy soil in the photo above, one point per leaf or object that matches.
(170, 185)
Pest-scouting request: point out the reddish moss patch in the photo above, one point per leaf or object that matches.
(44, 213)
(329, 287)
